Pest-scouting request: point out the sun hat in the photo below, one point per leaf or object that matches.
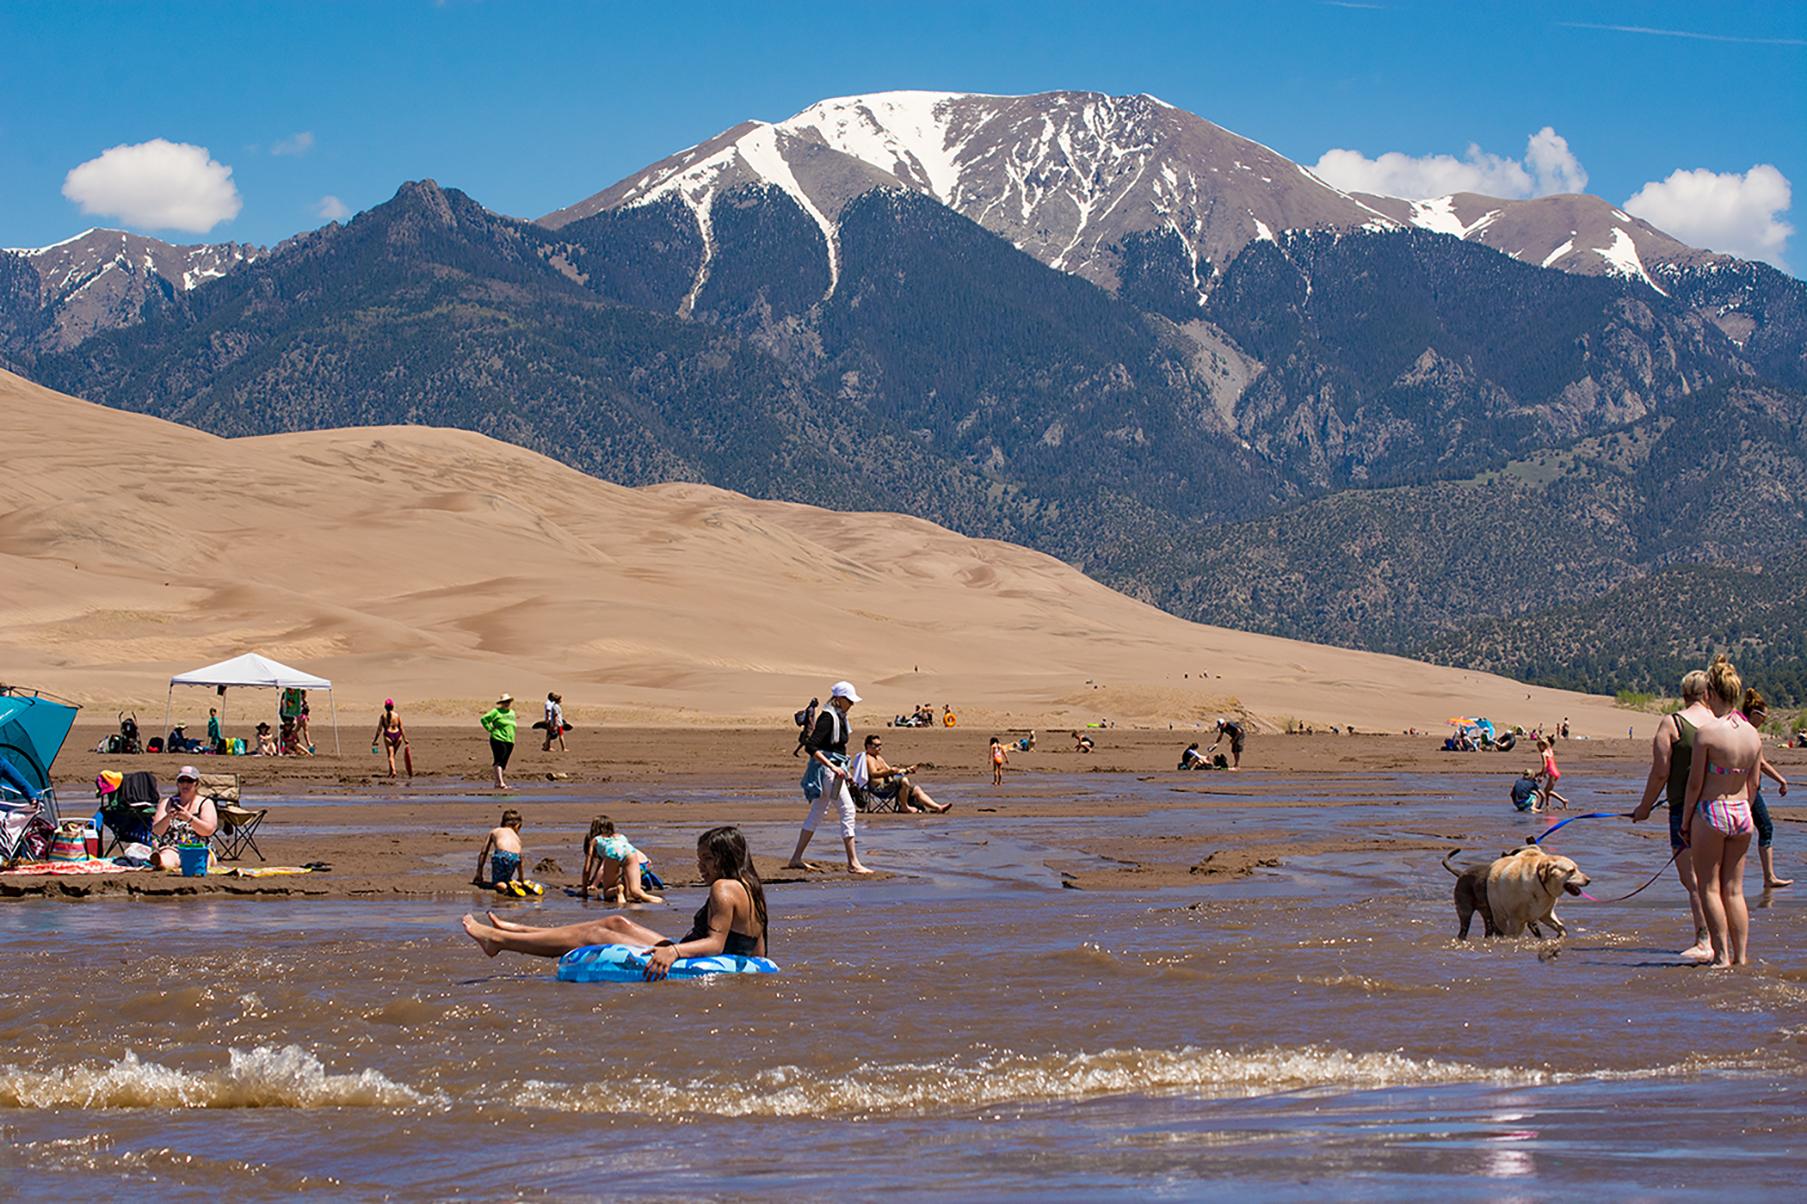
(188, 771)
(844, 689)
(108, 781)
(506, 697)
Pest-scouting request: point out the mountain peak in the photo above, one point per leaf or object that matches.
(1071, 177)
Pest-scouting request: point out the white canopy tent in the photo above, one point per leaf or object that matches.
(258, 672)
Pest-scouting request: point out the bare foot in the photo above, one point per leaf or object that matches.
(1699, 952)
(811, 866)
(501, 925)
(649, 899)
(1778, 883)
(475, 931)
(855, 867)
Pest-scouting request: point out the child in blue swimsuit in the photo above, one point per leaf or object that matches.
(612, 863)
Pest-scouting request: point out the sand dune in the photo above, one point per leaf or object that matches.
(442, 567)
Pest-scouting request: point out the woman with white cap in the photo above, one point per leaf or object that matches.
(827, 776)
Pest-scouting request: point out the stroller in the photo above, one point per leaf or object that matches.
(127, 740)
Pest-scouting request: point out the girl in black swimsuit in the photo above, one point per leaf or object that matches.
(733, 921)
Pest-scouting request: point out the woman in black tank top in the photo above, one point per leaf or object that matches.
(732, 922)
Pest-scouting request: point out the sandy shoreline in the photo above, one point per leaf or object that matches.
(386, 839)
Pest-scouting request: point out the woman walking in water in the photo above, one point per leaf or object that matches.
(393, 736)
(1717, 824)
(1756, 710)
(499, 722)
(828, 775)
(1671, 759)
(733, 921)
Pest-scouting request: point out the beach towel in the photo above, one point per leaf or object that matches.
(274, 871)
(62, 869)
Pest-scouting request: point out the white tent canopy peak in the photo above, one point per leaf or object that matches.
(251, 669)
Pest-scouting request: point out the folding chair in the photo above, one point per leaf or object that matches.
(238, 825)
(126, 813)
(871, 803)
(18, 817)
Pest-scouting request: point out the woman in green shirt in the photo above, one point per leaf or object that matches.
(499, 721)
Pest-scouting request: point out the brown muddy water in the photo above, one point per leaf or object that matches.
(968, 1027)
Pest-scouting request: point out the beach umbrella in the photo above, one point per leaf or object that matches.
(32, 731)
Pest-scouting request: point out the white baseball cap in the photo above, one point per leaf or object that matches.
(189, 772)
(844, 689)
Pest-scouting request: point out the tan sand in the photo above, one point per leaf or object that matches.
(443, 567)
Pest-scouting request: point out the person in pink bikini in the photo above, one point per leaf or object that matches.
(1716, 821)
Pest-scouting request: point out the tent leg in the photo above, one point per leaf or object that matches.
(168, 700)
(333, 704)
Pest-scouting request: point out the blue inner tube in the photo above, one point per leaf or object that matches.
(624, 963)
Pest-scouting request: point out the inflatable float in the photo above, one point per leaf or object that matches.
(624, 963)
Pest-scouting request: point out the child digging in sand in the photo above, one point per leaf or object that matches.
(503, 849)
(614, 865)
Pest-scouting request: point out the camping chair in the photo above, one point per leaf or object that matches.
(19, 818)
(126, 813)
(238, 825)
(871, 803)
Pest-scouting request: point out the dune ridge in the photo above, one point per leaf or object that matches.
(442, 566)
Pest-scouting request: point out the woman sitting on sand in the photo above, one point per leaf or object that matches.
(733, 921)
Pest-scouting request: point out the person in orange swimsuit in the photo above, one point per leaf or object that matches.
(1549, 775)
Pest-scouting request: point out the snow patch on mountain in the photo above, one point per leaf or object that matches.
(1622, 259)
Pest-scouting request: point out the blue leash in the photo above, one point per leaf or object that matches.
(1609, 815)
(1548, 832)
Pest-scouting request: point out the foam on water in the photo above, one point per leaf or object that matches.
(1014, 1079)
(263, 1077)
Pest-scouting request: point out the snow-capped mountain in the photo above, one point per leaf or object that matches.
(1574, 232)
(1100, 185)
(102, 279)
(1069, 177)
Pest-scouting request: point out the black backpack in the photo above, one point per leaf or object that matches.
(805, 719)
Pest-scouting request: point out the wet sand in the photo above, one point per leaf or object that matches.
(385, 839)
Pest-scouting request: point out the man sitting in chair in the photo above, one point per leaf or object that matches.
(188, 818)
(877, 777)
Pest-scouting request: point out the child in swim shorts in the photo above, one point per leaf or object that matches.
(612, 863)
(503, 849)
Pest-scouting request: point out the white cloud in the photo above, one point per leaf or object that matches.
(158, 184)
(1553, 165)
(1548, 167)
(1722, 211)
(294, 144)
(332, 209)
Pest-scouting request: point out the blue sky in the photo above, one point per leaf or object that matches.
(528, 107)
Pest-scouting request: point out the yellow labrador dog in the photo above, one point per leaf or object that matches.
(1522, 890)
